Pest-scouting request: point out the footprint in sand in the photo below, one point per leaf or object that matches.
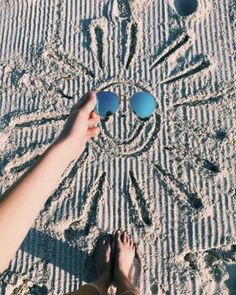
(186, 7)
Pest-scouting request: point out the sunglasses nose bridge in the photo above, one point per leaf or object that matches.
(123, 108)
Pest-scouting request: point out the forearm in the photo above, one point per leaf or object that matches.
(21, 203)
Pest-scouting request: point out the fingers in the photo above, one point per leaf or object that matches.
(93, 129)
(86, 104)
(80, 102)
(94, 115)
(92, 132)
(93, 122)
(89, 105)
(93, 125)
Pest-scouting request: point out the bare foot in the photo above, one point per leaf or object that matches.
(102, 259)
(124, 257)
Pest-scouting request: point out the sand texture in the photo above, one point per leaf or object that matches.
(170, 181)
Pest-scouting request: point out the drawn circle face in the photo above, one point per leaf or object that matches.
(124, 133)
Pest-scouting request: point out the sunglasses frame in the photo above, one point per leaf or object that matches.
(119, 100)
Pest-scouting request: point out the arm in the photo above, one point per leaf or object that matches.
(21, 203)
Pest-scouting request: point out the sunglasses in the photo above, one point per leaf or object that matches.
(142, 104)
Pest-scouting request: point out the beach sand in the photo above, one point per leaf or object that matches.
(170, 181)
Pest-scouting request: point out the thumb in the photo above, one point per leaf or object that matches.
(90, 102)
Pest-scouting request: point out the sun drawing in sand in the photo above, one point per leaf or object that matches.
(124, 138)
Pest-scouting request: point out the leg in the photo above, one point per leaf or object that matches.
(125, 253)
(85, 290)
(102, 259)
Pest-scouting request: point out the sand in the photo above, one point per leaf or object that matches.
(169, 181)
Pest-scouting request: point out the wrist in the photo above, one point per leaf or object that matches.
(67, 149)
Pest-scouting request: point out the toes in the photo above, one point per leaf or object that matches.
(104, 241)
(108, 251)
(126, 237)
(104, 248)
(118, 236)
(123, 237)
(131, 242)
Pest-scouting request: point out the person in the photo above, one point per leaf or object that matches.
(111, 271)
(20, 203)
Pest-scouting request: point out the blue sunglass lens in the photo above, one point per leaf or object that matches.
(107, 103)
(143, 104)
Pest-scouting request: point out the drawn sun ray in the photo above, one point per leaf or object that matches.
(189, 71)
(133, 29)
(39, 118)
(226, 93)
(39, 77)
(171, 49)
(138, 202)
(197, 158)
(65, 187)
(65, 60)
(191, 197)
(89, 211)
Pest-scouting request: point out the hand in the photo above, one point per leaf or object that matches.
(80, 125)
